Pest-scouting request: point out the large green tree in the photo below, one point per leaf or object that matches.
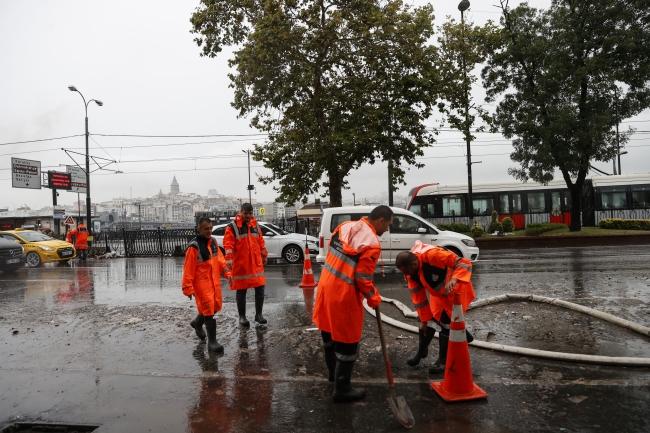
(562, 76)
(336, 84)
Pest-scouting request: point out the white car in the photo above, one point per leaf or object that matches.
(407, 227)
(280, 244)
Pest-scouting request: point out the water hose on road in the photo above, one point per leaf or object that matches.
(559, 356)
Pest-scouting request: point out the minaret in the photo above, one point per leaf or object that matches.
(175, 189)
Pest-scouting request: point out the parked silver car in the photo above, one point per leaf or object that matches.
(279, 243)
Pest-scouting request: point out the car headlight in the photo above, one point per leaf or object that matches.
(469, 242)
(312, 242)
(46, 248)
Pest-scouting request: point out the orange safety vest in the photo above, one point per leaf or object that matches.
(437, 267)
(244, 245)
(346, 278)
(201, 278)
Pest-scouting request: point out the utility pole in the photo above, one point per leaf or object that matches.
(249, 187)
(618, 142)
(390, 185)
(462, 7)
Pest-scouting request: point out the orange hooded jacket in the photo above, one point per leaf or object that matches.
(346, 279)
(245, 246)
(81, 237)
(201, 278)
(437, 267)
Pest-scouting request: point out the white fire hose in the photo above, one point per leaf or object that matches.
(560, 356)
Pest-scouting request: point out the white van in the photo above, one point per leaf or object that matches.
(407, 227)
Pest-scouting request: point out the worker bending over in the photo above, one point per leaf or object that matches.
(440, 272)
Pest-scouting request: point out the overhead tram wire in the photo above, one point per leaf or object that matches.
(42, 139)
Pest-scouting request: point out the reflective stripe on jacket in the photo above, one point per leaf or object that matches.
(244, 245)
(346, 279)
(201, 278)
(437, 267)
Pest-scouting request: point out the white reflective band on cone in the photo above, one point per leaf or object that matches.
(457, 314)
(457, 336)
(308, 271)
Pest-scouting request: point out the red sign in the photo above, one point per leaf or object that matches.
(6, 226)
(56, 180)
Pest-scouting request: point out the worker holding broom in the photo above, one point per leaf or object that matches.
(346, 279)
(440, 272)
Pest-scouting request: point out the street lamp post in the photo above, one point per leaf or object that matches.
(462, 7)
(88, 211)
(249, 187)
(354, 199)
(140, 214)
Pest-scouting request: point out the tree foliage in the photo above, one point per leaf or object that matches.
(563, 74)
(463, 47)
(336, 84)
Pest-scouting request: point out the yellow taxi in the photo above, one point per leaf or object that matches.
(40, 248)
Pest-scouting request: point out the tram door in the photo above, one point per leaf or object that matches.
(510, 206)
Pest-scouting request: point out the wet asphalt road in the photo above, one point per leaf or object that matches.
(108, 343)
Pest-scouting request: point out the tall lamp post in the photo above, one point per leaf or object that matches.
(462, 7)
(249, 187)
(89, 221)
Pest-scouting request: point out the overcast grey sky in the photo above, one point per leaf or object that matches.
(139, 58)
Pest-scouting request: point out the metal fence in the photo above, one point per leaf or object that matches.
(143, 243)
(299, 226)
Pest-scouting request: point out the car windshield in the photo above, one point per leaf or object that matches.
(34, 236)
(278, 229)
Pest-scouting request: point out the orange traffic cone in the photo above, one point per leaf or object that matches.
(458, 384)
(308, 295)
(307, 273)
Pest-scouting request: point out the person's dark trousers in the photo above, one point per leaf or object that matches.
(345, 354)
(240, 297)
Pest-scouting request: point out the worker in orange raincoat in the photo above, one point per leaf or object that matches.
(246, 256)
(80, 240)
(441, 273)
(204, 264)
(346, 279)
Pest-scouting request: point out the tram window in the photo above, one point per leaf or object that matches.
(516, 203)
(453, 205)
(536, 202)
(613, 198)
(641, 196)
(483, 205)
(504, 204)
(423, 206)
(556, 203)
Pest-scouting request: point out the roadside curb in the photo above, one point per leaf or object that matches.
(498, 243)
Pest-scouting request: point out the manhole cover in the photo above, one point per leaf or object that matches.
(28, 427)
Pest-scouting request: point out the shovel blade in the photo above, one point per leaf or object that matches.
(401, 411)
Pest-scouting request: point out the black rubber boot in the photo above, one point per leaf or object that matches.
(211, 328)
(197, 324)
(330, 360)
(439, 366)
(344, 392)
(423, 346)
(241, 308)
(259, 303)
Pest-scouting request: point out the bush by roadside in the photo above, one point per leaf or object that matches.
(536, 229)
(621, 224)
(454, 227)
(477, 231)
(508, 225)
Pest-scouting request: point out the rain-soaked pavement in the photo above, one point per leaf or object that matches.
(108, 343)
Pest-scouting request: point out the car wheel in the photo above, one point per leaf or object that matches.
(292, 254)
(33, 259)
(455, 251)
